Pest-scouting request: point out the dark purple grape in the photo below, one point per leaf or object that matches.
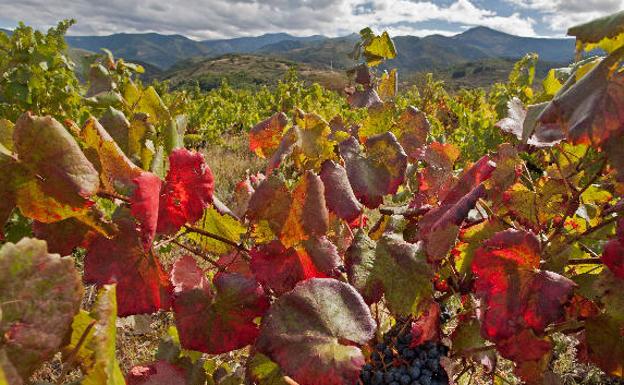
(414, 372)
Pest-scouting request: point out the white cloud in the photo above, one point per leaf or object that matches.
(559, 15)
(203, 19)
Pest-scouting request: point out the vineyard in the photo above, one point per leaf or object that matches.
(377, 237)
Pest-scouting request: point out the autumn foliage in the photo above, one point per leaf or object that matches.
(528, 240)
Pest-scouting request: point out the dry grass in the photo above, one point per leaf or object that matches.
(229, 163)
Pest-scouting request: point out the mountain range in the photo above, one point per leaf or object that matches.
(414, 53)
(179, 57)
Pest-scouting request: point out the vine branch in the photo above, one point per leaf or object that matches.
(216, 237)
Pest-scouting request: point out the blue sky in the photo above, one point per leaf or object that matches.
(208, 19)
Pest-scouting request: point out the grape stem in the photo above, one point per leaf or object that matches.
(199, 254)
(113, 196)
(216, 237)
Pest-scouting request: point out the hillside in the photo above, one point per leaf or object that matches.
(243, 70)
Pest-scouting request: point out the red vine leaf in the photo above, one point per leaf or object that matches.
(187, 275)
(427, 326)
(142, 285)
(323, 254)
(613, 253)
(157, 373)
(186, 193)
(480, 171)
(144, 205)
(220, 321)
(519, 301)
(312, 337)
(279, 268)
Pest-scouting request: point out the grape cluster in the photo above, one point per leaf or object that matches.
(393, 362)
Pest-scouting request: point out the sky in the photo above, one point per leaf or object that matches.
(215, 19)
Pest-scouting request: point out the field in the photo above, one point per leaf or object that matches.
(358, 228)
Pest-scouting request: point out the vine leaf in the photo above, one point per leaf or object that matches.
(116, 124)
(376, 49)
(220, 321)
(360, 262)
(6, 134)
(414, 128)
(270, 204)
(308, 216)
(142, 285)
(439, 227)
(589, 110)
(187, 191)
(62, 237)
(263, 371)
(427, 326)
(314, 144)
(604, 344)
(40, 293)
(339, 195)
(323, 253)
(159, 372)
(280, 268)
(404, 273)
(116, 170)
(99, 344)
(606, 33)
(380, 172)
(224, 226)
(308, 333)
(519, 301)
(467, 340)
(613, 253)
(437, 178)
(390, 266)
(293, 216)
(265, 137)
(56, 158)
(144, 205)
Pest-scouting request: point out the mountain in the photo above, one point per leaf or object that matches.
(165, 50)
(245, 70)
(253, 44)
(432, 52)
(159, 50)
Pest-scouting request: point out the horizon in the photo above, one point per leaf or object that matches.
(226, 19)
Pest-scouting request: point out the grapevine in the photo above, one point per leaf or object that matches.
(340, 262)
